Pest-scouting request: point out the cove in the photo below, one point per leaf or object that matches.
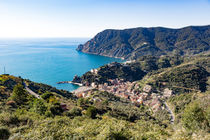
(48, 60)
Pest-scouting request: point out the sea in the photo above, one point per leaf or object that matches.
(48, 60)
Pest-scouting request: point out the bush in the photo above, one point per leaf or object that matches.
(48, 114)
(8, 119)
(19, 95)
(208, 114)
(47, 95)
(75, 112)
(194, 117)
(82, 102)
(39, 107)
(56, 109)
(4, 133)
(118, 136)
(91, 112)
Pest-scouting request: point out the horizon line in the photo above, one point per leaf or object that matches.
(88, 37)
(47, 37)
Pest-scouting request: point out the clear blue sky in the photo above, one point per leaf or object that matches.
(85, 18)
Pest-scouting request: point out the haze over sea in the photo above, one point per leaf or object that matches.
(48, 60)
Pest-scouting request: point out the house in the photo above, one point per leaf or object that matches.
(93, 85)
(147, 88)
(144, 96)
(140, 100)
(167, 93)
(95, 71)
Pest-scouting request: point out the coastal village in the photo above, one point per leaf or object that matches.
(130, 91)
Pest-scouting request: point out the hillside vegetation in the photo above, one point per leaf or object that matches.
(59, 114)
(193, 74)
(174, 72)
(136, 42)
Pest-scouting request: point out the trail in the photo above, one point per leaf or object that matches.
(31, 92)
(170, 112)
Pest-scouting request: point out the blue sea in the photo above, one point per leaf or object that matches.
(48, 60)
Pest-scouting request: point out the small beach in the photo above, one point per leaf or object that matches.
(82, 89)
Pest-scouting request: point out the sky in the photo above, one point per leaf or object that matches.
(85, 18)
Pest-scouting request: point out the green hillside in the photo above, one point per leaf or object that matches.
(136, 42)
(59, 114)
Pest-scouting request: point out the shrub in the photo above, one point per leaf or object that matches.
(48, 114)
(82, 102)
(208, 114)
(118, 136)
(39, 107)
(47, 95)
(4, 133)
(9, 119)
(56, 109)
(19, 95)
(91, 112)
(194, 117)
(75, 112)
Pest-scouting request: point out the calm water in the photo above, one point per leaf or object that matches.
(47, 60)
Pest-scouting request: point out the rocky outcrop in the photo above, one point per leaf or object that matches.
(77, 79)
(136, 42)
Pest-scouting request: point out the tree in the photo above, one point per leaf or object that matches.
(163, 62)
(19, 94)
(149, 64)
(176, 60)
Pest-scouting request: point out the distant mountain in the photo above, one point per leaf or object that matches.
(136, 42)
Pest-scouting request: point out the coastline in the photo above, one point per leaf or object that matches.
(70, 82)
(122, 58)
(83, 87)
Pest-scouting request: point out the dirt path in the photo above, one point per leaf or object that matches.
(31, 92)
(170, 112)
